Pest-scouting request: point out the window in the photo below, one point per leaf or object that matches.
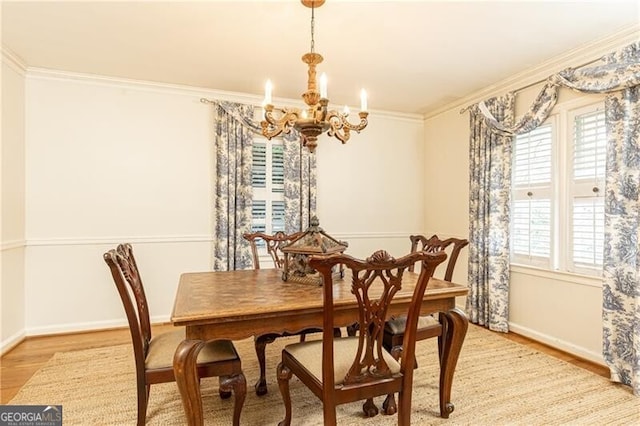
(557, 214)
(532, 195)
(267, 181)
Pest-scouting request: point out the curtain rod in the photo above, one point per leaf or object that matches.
(463, 110)
(215, 102)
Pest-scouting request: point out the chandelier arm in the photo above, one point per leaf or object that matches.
(273, 126)
(341, 128)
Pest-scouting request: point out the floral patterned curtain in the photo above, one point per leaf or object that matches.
(619, 76)
(299, 184)
(621, 286)
(489, 212)
(538, 112)
(234, 129)
(233, 141)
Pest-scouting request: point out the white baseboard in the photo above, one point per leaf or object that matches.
(558, 344)
(88, 326)
(11, 342)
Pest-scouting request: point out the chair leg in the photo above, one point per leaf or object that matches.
(352, 329)
(389, 406)
(143, 400)
(369, 408)
(224, 393)
(237, 384)
(456, 329)
(261, 344)
(404, 408)
(284, 375)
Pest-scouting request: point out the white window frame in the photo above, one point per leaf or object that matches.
(562, 190)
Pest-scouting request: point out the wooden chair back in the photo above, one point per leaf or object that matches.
(274, 244)
(154, 361)
(375, 282)
(435, 244)
(126, 276)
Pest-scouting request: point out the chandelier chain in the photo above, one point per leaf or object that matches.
(313, 23)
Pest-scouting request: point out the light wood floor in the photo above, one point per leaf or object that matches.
(20, 363)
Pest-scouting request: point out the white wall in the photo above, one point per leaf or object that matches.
(109, 161)
(447, 182)
(563, 310)
(370, 189)
(12, 204)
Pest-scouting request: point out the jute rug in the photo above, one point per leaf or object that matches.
(497, 382)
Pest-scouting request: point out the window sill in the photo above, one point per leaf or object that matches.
(574, 278)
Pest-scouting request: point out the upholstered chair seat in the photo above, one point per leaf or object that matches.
(162, 348)
(344, 351)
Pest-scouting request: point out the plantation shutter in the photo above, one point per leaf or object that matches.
(587, 186)
(277, 168)
(267, 177)
(531, 214)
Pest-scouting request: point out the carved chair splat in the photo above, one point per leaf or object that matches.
(346, 369)
(153, 355)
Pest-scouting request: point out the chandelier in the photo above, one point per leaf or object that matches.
(316, 118)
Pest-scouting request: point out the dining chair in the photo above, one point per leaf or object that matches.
(353, 368)
(273, 244)
(428, 325)
(154, 354)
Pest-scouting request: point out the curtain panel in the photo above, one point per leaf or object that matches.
(233, 141)
(619, 77)
(299, 184)
(489, 212)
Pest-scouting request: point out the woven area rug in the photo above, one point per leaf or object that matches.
(497, 382)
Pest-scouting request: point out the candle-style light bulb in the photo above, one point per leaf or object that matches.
(346, 111)
(268, 87)
(323, 86)
(363, 100)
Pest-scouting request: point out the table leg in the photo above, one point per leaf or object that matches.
(186, 372)
(455, 330)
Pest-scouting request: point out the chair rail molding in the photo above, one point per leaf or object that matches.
(12, 244)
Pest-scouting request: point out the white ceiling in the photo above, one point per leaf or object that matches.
(411, 56)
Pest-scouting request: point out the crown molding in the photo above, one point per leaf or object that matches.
(587, 52)
(143, 85)
(184, 90)
(93, 241)
(13, 60)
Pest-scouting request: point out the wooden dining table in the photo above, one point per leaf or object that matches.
(239, 304)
